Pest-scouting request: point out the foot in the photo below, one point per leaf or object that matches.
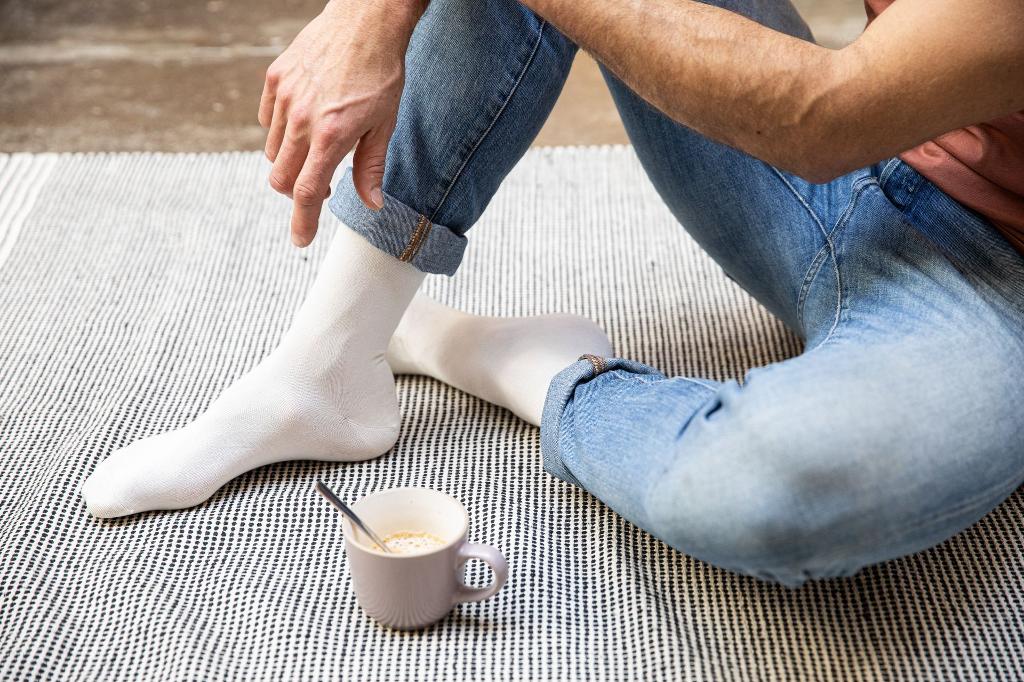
(508, 361)
(325, 393)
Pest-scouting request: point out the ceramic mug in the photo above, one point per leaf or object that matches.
(409, 591)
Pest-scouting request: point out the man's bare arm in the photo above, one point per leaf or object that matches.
(923, 68)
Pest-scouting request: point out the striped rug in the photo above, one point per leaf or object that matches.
(136, 287)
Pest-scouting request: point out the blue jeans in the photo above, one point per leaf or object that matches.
(901, 424)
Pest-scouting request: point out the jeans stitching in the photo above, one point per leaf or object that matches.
(828, 244)
(812, 271)
(423, 227)
(858, 188)
(844, 219)
(981, 500)
(805, 286)
(641, 378)
(483, 136)
(977, 501)
(691, 380)
(889, 169)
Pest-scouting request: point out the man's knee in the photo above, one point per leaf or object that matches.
(771, 507)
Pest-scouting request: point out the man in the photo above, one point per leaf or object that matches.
(899, 425)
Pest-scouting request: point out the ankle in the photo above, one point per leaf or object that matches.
(426, 330)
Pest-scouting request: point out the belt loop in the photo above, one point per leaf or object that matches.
(887, 171)
(899, 182)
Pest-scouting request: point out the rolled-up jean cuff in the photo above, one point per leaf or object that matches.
(399, 230)
(560, 392)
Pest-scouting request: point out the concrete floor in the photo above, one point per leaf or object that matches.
(85, 75)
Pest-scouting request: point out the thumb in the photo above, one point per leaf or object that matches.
(368, 166)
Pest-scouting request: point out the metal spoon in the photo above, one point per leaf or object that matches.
(344, 509)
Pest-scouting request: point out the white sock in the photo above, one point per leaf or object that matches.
(326, 392)
(508, 361)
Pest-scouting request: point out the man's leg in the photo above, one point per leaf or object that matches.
(481, 80)
(763, 226)
(895, 429)
(724, 197)
(899, 430)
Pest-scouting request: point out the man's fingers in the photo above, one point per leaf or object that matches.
(368, 165)
(306, 219)
(278, 127)
(289, 161)
(266, 111)
(313, 186)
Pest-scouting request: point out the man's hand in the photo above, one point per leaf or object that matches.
(337, 84)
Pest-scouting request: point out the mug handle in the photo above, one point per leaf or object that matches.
(490, 556)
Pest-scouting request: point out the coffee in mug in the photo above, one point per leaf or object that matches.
(411, 542)
(421, 579)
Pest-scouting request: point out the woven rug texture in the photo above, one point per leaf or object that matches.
(134, 288)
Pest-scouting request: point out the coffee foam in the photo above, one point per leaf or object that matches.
(409, 542)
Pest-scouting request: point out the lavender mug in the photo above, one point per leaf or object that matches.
(412, 590)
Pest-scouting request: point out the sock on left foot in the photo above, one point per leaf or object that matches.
(326, 392)
(508, 361)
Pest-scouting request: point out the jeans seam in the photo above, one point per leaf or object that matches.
(977, 501)
(828, 244)
(483, 136)
(855, 192)
(813, 270)
(633, 377)
(902, 532)
(691, 380)
(844, 219)
(637, 377)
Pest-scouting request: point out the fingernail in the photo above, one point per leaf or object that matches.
(377, 197)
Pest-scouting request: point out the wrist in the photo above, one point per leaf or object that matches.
(412, 11)
(403, 14)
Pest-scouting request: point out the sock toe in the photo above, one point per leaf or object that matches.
(101, 500)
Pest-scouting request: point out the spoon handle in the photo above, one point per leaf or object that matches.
(344, 509)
